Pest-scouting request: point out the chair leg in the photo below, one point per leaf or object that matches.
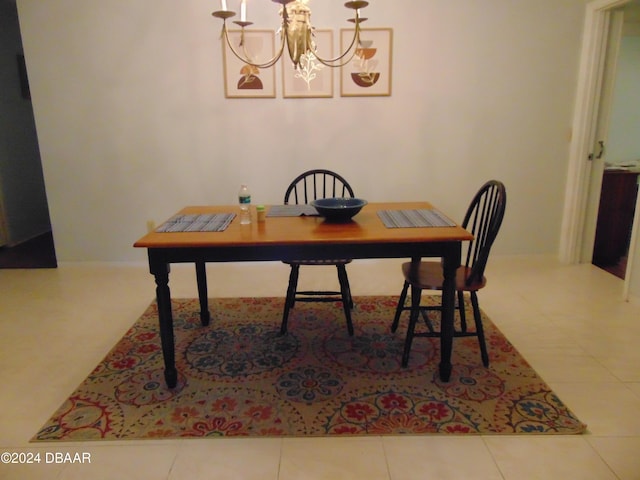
(400, 307)
(347, 302)
(201, 277)
(347, 287)
(413, 318)
(479, 329)
(291, 297)
(463, 316)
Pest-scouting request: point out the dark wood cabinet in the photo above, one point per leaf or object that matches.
(615, 216)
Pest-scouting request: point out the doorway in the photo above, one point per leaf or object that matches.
(616, 187)
(586, 165)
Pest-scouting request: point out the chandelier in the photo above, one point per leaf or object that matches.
(296, 33)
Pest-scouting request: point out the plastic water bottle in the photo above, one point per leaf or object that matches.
(244, 198)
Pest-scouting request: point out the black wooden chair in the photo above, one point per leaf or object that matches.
(483, 219)
(306, 187)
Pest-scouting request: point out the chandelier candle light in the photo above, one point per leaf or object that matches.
(296, 32)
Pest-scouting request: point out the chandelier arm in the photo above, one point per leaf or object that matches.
(332, 61)
(329, 63)
(267, 64)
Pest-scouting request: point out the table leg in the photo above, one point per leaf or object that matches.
(163, 296)
(201, 276)
(450, 263)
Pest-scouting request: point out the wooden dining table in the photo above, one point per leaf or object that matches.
(287, 238)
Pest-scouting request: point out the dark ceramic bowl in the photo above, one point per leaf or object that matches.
(338, 209)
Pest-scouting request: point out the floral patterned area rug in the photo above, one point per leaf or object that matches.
(239, 377)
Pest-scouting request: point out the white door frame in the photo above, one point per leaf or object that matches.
(585, 119)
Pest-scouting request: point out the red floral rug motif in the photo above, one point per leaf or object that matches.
(239, 377)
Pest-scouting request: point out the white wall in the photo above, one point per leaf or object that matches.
(133, 123)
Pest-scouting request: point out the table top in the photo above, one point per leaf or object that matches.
(365, 227)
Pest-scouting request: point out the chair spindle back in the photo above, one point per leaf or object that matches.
(483, 220)
(314, 184)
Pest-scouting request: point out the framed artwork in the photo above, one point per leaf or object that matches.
(369, 71)
(311, 79)
(245, 81)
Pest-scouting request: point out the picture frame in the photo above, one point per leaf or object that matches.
(369, 72)
(312, 79)
(245, 81)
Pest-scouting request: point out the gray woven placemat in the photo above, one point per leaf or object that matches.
(210, 222)
(414, 218)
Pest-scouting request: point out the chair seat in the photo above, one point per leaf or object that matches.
(337, 261)
(429, 277)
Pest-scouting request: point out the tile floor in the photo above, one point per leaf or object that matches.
(568, 321)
